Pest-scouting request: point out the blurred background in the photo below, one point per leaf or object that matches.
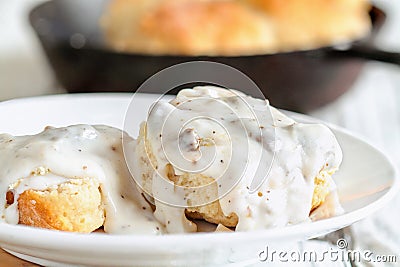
(370, 106)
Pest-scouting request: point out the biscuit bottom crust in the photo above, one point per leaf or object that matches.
(74, 206)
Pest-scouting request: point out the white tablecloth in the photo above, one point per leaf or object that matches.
(372, 109)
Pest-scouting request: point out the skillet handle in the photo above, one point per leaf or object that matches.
(369, 53)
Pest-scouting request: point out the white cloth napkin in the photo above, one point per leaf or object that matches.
(372, 109)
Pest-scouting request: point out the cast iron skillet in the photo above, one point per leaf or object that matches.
(299, 80)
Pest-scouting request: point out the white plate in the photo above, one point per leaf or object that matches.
(366, 182)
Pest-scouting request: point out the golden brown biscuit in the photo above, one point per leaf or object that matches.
(231, 27)
(74, 206)
(322, 188)
(304, 24)
(187, 28)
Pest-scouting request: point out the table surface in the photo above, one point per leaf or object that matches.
(9, 260)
